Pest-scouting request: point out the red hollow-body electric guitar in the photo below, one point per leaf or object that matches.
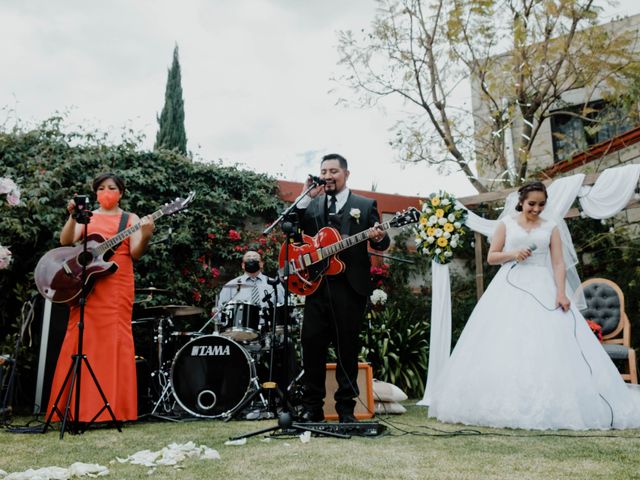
(316, 256)
(58, 274)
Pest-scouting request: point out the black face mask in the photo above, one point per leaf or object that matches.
(251, 266)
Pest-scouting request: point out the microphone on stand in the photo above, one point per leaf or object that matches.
(317, 180)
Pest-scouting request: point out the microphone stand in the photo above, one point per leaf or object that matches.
(73, 377)
(286, 418)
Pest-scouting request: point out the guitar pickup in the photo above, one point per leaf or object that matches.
(309, 259)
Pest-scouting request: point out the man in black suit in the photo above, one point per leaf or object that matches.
(333, 313)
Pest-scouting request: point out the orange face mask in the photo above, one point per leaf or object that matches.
(108, 198)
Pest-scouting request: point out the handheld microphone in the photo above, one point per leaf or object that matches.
(531, 247)
(317, 180)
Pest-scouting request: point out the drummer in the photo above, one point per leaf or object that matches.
(251, 287)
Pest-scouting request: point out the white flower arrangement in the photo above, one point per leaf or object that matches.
(9, 188)
(441, 229)
(5, 257)
(378, 297)
(355, 213)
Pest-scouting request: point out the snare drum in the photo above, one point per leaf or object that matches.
(294, 320)
(241, 320)
(211, 376)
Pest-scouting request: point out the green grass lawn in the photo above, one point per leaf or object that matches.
(414, 447)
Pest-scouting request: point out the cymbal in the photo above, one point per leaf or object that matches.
(152, 290)
(173, 310)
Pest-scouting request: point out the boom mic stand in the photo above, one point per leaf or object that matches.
(73, 378)
(286, 419)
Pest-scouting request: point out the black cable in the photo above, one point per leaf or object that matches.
(574, 332)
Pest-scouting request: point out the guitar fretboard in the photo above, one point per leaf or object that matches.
(113, 241)
(349, 241)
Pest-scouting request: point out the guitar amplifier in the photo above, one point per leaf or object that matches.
(364, 403)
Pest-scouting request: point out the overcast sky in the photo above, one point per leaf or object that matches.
(255, 75)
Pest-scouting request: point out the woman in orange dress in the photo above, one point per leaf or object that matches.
(107, 339)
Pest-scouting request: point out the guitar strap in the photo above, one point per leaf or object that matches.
(123, 224)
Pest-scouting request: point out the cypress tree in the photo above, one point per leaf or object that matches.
(171, 133)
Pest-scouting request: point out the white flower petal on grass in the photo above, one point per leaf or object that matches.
(175, 453)
(79, 469)
(240, 441)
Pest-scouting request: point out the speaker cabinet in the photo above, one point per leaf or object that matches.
(364, 402)
(49, 328)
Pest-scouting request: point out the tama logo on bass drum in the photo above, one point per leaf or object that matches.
(210, 350)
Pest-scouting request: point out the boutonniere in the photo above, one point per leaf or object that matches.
(355, 213)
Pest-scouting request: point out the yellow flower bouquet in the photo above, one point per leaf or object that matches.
(441, 231)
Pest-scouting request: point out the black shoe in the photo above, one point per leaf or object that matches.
(347, 418)
(309, 416)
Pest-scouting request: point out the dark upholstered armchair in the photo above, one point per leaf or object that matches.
(605, 306)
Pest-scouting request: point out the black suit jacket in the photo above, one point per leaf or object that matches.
(356, 258)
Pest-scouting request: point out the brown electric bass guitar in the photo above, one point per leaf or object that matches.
(316, 256)
(58, 274)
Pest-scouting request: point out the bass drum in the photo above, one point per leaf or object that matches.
(211, 376)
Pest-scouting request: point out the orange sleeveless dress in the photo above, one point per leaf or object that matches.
(107, 340)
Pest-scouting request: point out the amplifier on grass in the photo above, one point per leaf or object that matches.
(364, 403)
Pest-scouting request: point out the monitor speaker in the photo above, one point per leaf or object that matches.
(364, 402)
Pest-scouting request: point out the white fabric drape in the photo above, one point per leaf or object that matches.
(609, 195)
(440, 342)
(611, 192)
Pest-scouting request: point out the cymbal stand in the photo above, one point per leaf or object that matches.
(216, 313)
(286, 420)
(162, 377)
(73, 377)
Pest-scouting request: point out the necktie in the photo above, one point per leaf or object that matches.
(332, 205)
(255, 294)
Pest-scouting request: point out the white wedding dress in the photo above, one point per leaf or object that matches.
(519, 365)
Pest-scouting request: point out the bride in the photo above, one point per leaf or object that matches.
(527, 358)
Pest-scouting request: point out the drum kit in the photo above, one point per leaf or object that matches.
(212, 372)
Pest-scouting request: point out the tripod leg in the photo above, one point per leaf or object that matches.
(257, 432)
(256, 392)
(70, 379)
(73, 373)
(106, 406)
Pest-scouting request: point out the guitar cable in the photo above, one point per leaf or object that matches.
(575, 335)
